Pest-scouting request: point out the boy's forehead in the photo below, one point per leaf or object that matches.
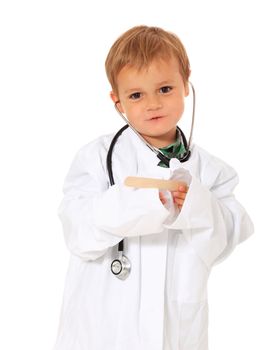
(163, 67)
(157, 61)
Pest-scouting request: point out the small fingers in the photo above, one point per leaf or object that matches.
(181, 189)
(162, 198)
(179, 196)
(179, 201)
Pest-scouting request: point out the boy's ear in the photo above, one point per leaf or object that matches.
(186, 89)
(116, 100)
(187, 85)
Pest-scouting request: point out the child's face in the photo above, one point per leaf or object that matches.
(152, 99)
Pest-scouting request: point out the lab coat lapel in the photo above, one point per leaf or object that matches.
(147, 161)
(153, 259)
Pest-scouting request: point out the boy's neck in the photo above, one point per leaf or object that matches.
(162, 140)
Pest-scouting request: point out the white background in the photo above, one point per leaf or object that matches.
(54, 99)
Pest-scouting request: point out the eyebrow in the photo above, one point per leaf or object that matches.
(162, 83)
(166, 82)
(131, 90)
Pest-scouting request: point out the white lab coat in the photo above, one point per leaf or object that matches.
(162, 305)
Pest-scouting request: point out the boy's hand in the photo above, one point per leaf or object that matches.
(179, 196)
(162, 198)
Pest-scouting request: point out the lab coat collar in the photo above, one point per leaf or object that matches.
(147, 160)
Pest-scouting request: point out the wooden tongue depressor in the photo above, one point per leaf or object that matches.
(147, 182)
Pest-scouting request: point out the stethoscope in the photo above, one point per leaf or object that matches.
(121, 266)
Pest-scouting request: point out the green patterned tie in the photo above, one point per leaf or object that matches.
(174, 150)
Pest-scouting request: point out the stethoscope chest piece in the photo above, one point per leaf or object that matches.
(121, 267)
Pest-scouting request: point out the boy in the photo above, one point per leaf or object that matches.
(171, 239)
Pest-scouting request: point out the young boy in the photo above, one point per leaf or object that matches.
(172, 239)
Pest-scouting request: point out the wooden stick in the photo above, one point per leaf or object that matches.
(147, 182)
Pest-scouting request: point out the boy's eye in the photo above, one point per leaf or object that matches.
(135, 96)
(165, 89)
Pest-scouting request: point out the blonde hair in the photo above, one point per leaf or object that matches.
(138, 46)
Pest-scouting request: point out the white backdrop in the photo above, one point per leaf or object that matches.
(54, 99)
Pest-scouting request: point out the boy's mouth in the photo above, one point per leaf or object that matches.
(156, 117)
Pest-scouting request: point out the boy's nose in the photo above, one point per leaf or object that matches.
(153, 103)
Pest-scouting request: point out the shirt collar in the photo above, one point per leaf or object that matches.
(173, 150)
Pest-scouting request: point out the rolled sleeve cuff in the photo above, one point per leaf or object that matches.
(195, 212)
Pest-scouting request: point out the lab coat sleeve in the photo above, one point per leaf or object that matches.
(211, 218)
(96, 216)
